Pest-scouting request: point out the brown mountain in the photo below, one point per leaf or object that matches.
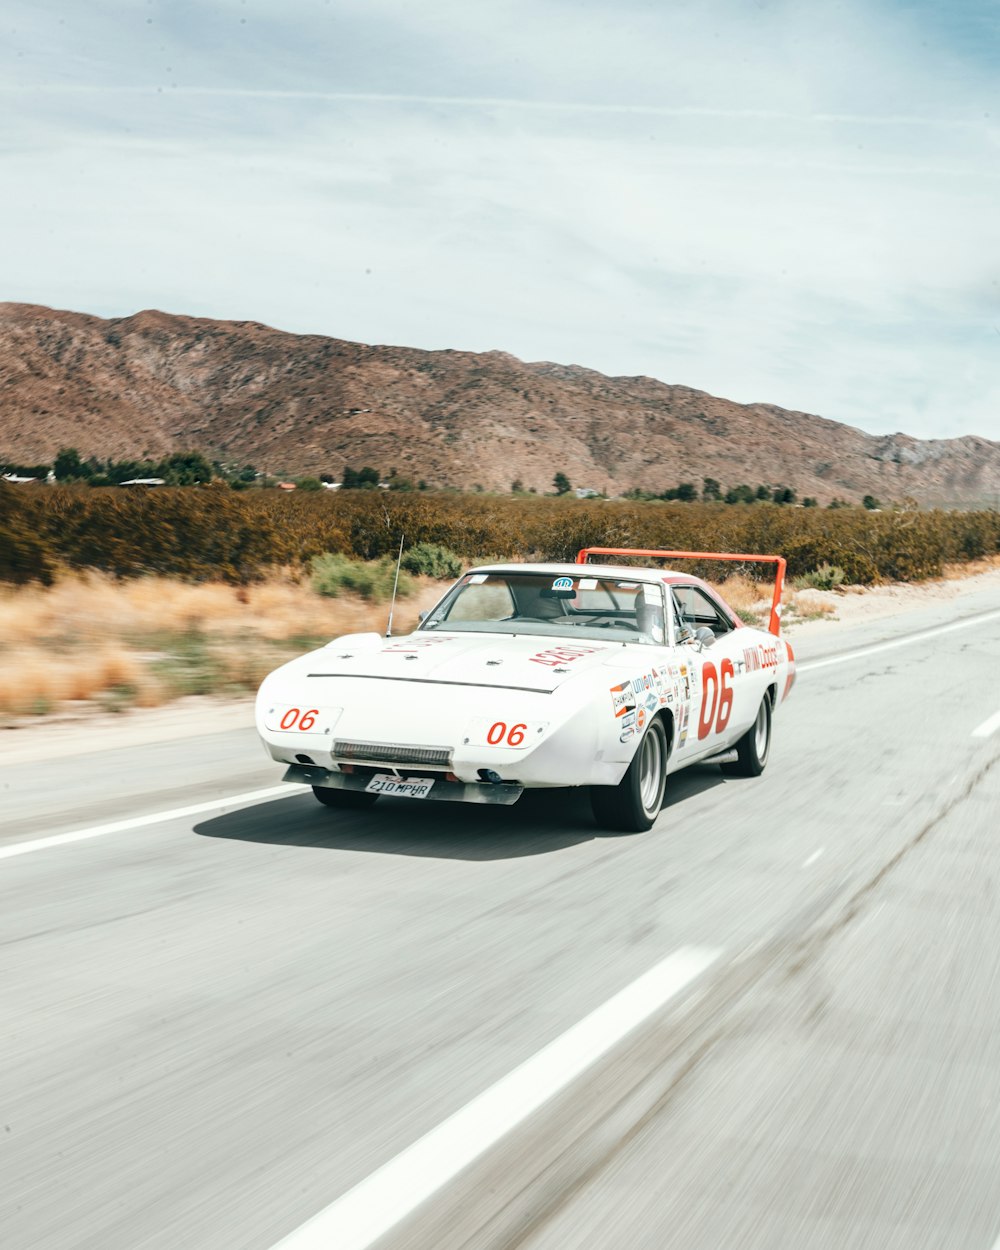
(154, 383)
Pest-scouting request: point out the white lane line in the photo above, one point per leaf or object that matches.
(909, 641)
(138, 822)
(814, 857)
(988, 727)
(366, 1212)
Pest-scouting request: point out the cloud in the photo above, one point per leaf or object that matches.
(760, 200)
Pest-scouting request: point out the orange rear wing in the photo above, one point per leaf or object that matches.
(774, 624)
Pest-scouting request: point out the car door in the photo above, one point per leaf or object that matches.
(727, 697)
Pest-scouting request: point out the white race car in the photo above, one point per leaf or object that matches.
(531, 675)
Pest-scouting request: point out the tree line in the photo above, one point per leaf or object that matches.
(193, 468)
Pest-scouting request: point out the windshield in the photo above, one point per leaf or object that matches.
(542, 603)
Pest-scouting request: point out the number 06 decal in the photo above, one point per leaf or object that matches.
(719, 701)
(498, 732)
(305, 719)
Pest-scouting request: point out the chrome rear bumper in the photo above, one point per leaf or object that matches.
(505, 792)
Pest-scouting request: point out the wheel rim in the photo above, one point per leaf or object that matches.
(651, 771)
(761, 733)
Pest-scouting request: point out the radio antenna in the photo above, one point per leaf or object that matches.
(392, 605)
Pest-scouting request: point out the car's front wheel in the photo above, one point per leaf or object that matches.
(350, 800)
(754, 747)
(635, 802)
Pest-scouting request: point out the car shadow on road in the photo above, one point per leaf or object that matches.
(698, 779)
(541, 822)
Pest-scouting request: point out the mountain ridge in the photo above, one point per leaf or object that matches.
(157, 382)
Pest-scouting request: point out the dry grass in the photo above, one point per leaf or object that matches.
(743, 594)
(956, 572)
(142, 642)
(751, 600)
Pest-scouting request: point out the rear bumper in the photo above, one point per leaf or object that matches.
(504, 792)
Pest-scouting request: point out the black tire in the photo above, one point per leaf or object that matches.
(755, 745)
(634, 804)
(350, 800)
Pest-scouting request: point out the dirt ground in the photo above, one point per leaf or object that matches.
(821, 612)
(82, 729)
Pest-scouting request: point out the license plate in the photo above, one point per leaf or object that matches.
(382, 783)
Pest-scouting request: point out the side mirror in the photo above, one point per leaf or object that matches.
(424, 616)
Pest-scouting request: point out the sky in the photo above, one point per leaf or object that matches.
(782, 201)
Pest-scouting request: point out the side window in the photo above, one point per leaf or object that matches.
(679, 625)
(699, 612)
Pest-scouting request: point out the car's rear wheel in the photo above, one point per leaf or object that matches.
(635, 802)
(754, 747)
(350, 800)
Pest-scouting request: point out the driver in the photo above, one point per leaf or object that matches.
(532, 601)
(649, 619)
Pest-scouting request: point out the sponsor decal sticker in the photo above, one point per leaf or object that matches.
(477, 579)
(406, 645)
(556, 656)
(651, 702)
(625, 735)
(563, 583)
(622, 699)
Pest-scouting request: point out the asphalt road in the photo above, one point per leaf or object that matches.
(214, 1026)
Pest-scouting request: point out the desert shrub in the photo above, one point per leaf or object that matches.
(332, 574)
(433, 560)
(825, 577)
(24, 554)
(207, 533)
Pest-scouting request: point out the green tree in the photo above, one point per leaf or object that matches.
(182, 468)
(710, 489)
(763, 493)
(562, 484)
(68, 467)
(687, 492)
(871, 503)
(810, 502)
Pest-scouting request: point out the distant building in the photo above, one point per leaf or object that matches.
(586, 492)
(286, 486)
(12, 477)
(331, 485)
(144, 481)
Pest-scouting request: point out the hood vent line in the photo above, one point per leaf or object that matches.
(432, 681)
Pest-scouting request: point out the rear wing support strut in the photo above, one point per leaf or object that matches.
(774, 624)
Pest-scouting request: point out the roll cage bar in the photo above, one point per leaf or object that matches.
(773, 625)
